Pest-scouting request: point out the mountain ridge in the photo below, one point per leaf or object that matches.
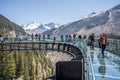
(98, 23)
(8, 27)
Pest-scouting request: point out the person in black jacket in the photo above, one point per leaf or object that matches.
(91, 40)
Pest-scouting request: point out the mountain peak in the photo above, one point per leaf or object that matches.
(32, 25)
(93, 13)
(37, 23)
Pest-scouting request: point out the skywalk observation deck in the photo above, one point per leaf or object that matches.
(87, 63)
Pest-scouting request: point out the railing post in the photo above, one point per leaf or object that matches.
(26, 46)
(53, 46)
(73, 49)
(13, 46)
(18, 46)
(46, 44)
(32, 45)
(1, 47)
(68, 46)
(10, 47)
(63, 46)
(58, 46)
(39, 46)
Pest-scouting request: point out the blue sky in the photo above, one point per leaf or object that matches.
(59, 11)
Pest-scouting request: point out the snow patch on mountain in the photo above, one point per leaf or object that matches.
(32, 25)
(37, 27)
(93, 14)
(52, 25)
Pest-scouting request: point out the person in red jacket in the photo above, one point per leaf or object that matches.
(103, 41)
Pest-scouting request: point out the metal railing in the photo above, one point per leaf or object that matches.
(91, 64)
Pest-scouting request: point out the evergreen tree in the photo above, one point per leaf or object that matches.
(7, 66)
(32, 65)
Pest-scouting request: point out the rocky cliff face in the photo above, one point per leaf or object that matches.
(104, 22)
(55, 56)
(111, 26)
(45, 66)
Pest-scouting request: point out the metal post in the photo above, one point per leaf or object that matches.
(33, 45)
(18, 46)
(1, 47)
(68, 46)
(39, 46)
(10, 47)
(46, 44)
(58, 46)
(63, 46)
(26, 46)
(53, 46)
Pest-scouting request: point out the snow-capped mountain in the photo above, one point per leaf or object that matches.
(104, 22)
(52, 25)
(37, 27)
(32, 25)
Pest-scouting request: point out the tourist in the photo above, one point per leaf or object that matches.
(48, 36)
(43, 37)
(70, 37)
(103, 40)
(74, 36)
(36, 36)
(39, 36)
(91, 41)
(61, 37)
(54, 38)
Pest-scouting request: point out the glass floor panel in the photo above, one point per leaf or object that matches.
(104, 78)
(103, 70)
(107, 68)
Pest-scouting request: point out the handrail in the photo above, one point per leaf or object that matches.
(70, 48)
(92, 68)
